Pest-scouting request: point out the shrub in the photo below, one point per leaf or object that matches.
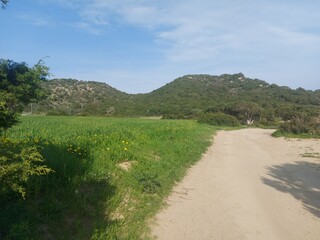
(218, 119)
(17, 164)
(301, 125)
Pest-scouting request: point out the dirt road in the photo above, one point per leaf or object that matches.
(248, 185)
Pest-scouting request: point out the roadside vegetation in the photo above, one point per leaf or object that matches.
(302, 125)
(108, 175)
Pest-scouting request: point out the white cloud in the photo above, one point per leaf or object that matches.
(87, 28)
(292, 37)
(190, 23)
(35, 20)
(94, 17)
(257, 36)
(196, 30)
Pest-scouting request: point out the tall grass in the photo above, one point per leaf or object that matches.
(111, 175)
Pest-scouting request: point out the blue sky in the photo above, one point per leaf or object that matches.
(138, 46)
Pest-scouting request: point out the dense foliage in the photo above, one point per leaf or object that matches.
(72, 97)
(17, 165)
(218, 119)
(251, 101)
(19, 85)
(301, 124)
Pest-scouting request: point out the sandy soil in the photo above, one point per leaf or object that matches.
(248, 185)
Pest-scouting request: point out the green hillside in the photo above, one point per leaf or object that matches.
(185, 97)
(73, 97)
(194, 93)
(202, 91)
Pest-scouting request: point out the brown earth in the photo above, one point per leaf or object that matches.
(248, 185)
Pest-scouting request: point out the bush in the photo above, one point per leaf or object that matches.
(301, 125)
(18, 163)
(218, 119)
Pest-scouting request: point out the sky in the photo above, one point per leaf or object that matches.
(138, 46)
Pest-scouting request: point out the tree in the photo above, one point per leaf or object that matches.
(19, 85)
(4, 3)
(247, 112)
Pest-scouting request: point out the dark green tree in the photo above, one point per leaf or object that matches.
(247, 112)
(19, 85)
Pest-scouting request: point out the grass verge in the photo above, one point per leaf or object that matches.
(111, 175)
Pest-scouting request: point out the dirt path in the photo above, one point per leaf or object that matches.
(247, 186)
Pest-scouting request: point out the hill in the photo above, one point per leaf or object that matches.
(200, 92)
(185, 97)
(73, 97)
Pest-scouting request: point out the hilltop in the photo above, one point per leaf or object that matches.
(200, 92)
(74, 97)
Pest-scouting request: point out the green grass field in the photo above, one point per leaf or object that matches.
(111, 175)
